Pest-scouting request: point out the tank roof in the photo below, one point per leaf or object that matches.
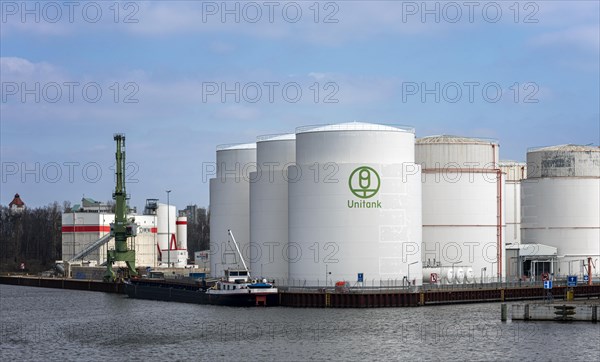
(236, 146)
(276, 137)
(566, 148)
(445, 139)
(511, 163)
(354, 126)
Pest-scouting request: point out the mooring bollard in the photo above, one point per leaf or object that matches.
(503, 312)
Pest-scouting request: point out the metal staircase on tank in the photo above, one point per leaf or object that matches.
(93, 246)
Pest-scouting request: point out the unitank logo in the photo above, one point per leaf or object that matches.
(364, 182)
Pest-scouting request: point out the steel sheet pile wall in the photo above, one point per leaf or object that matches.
(462, 208)
(561, 204)
(354, 206)
(269, 206)
(230, 205)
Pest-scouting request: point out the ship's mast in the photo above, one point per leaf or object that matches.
(237, 248)
(121, 229)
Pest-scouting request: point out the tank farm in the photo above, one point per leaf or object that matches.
(356, 215)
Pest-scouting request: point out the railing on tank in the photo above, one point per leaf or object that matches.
(276, 137)
(461, 140)
(356, 127)
(565, 147)
(236, 146)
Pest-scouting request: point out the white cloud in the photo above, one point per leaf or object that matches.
(19, 69)
(581, 37)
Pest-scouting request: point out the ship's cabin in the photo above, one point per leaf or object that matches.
(236, 276)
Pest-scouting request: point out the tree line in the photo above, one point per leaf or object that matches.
(30, 236)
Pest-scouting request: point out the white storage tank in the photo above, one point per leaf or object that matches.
(448, 274)
(462, 204)
(561, 204)
(182, 233)
(269, 206)
(166, 223)
(354, 206)
(514, 173)
(230, 205)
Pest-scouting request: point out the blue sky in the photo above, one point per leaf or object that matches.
(374, 59)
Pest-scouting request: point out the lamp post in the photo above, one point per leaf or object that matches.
(482, 270)
(571, 261)
(414, 262)
(168, 231)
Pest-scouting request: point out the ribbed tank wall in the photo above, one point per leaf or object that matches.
(165, 225)
(463, 210)
(354, 206)
(230, 206)
(269, 206)
(441, 152)
(514, 173)
(561, 203)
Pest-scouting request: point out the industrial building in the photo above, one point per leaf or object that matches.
(463, 214)
(372, 205)
(561, 208)
(86, 236)
(352, 202)
(514, 174)
(355, 206)
(230, 205)
(269, 205)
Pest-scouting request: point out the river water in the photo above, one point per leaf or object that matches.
(53, 324)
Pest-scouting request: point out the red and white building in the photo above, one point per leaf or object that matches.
(153, 245)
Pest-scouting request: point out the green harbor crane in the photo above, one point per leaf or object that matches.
(122, 228)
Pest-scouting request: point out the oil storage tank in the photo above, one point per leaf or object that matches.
(561, 204)
(166, 224)
(354, 206)
(269, 206)
(462, 205)
(182, 232)
(230, 205)
(514, 173)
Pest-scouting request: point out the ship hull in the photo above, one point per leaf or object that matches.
(193, 294)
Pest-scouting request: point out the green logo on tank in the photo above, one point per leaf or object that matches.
(364, 182)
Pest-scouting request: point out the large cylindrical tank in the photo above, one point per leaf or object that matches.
(230, 205)
(462, 203)
(561, 203)
(354, 206)
(269, 206)
(166, 223)
(182, 233)
(514, 173)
